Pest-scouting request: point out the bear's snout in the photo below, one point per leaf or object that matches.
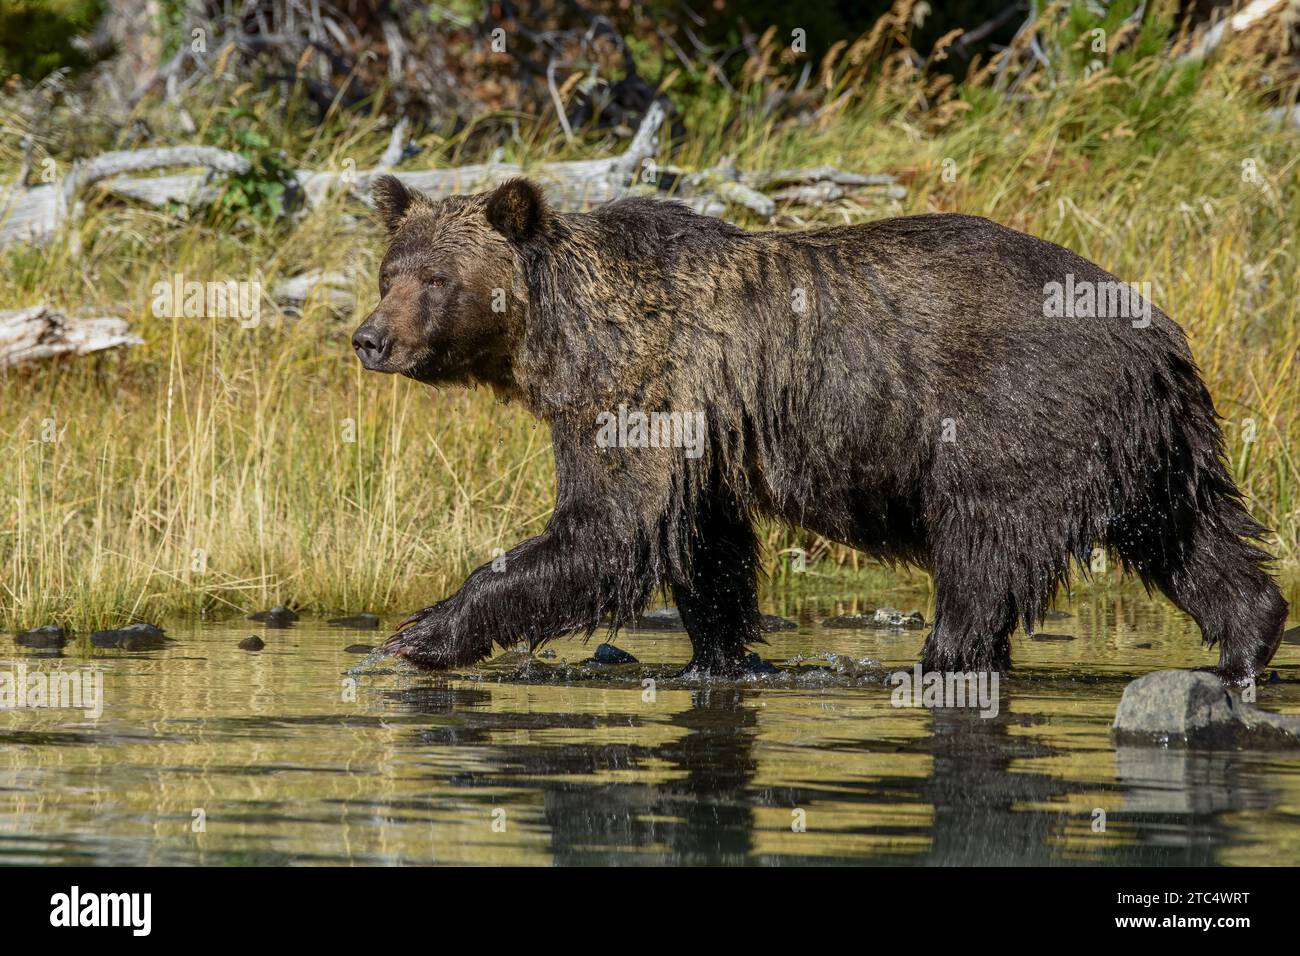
(372, 346)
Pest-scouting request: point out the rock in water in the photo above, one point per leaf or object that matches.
(278, 616)
(517, 657)
(661, 619)
(850, 621)
(133, 637)
(143, 630)
(358, 649)
(252, 643)
(842, 664)
(609, 654)
(1193, 709)
(892, 618)
(772, 622)
(885, 618)
(360, 622)
(51, 635)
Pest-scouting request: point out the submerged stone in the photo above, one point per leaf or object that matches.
(609, 654)
(839, 664)
(889, 617)
(49, 635)
(252, 643)
(516, 657)
(1193, 709)
(885, 618)
(143, 630)
(278, 616)
(133, 637)
(1051, 637)
(772, 622)
(360, 622)
(358, 649)
(847, 621)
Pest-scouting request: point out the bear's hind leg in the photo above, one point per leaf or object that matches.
(1206, 564)
(719, 604)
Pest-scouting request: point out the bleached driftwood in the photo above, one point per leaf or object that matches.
(761, 191)
(36, 214)
(1253, 12)
(39, 332)
(108, 165)
(332, 288)
(761, 179)
(570, 186)
(813, 194)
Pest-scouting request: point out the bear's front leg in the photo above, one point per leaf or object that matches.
(430, 639)
(561, 581)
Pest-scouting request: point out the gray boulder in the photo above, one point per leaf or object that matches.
(1193, 709)
(661, 619)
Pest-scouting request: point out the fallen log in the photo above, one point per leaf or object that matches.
(39, 332)
(334, 289)
(36, 214)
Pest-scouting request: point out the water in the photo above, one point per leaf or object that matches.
(551, 763)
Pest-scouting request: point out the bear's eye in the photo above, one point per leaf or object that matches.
(434, 281)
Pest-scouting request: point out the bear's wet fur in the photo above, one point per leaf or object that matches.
(896, 386)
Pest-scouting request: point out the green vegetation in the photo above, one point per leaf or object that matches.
(36, 35)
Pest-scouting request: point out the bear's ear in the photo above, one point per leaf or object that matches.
(392, 199)
(518, 210)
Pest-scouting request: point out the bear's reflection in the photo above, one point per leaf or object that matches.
(692, 799)
(700, 815)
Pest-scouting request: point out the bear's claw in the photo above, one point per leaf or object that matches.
(415, 618)
(428, 639)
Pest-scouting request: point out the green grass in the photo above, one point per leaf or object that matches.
(231, 442)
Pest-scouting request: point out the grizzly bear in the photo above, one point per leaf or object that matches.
(915, 388)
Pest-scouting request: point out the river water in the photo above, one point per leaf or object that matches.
(302, 753)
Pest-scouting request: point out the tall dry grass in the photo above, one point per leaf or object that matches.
(217, 468)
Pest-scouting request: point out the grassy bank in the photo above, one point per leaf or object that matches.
(217, 468)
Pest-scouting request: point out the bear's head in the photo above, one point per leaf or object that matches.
(447, 312)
